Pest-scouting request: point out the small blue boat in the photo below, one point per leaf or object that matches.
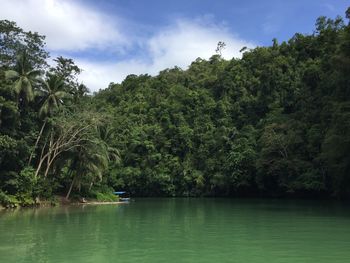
(121, 198)
(119, 192)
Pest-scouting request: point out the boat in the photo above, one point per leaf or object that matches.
(122, 196)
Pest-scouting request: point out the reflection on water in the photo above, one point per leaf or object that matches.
(179, 230)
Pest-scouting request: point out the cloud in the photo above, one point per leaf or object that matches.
(72, 27)
(67, 25)
(97, 75)
(183, 42)
(175, 45)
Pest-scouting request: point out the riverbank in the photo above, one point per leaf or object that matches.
(63, 201)
(60, 201)
(100, 203)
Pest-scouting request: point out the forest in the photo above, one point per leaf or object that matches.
(273, 123)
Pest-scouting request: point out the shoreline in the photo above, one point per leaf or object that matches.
(61, 205)
(99, 203)
(61, 201)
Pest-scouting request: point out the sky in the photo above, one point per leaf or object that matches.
(110, 39)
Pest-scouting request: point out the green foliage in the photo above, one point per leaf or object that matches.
(336, 149)
(25, 200)
(51, 93)
(6, 145)
(273, 123)
(14, 40)
(106, 197)
(24, 187)
(260, 124)
(24, 78)
(26, 181)
(9, 201)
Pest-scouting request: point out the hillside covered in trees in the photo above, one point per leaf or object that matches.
(275, 122)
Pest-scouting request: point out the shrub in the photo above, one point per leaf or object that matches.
(9, 201)
(107, 197)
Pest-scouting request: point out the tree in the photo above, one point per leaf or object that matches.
(79, 92)
(336, 147)
(69, 130)
(220, 47)
(13, 40)
(68, 72)
(51, 93)
(24, 78)
(274, 122)
(90, 159)
(89, 162)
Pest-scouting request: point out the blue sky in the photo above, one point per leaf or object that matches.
(110, 39)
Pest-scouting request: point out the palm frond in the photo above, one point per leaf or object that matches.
(18, 86)
(11, 74)
(44, 109)
(60, 94)
(28, 90)
(34, 74)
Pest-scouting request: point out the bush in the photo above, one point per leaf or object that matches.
(9, 201)
(25, 199)
(54, 201)
(45, 188)
(27, 181)
(107, 197)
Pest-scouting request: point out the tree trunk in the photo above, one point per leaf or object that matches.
(39, 167)
(37, 141)
(70, 188)
(49, 163)
(42, 159)
(47, 168)
(91, 184)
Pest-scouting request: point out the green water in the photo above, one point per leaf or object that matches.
(179, 230)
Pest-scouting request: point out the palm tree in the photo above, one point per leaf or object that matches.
(107, 135)
(24, 78)
(79, 92)
(92, 158)
(52, 93)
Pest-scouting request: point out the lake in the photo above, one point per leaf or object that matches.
(179, 230)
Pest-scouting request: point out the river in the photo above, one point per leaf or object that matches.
(179, 230)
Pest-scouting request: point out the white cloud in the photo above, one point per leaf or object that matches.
(97, 75)
(183, 42)
(67, 25)
(177, 45)
(72, 26)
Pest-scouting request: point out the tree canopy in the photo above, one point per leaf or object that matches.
(275, 122)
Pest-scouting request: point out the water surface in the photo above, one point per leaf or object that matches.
(179, 230)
